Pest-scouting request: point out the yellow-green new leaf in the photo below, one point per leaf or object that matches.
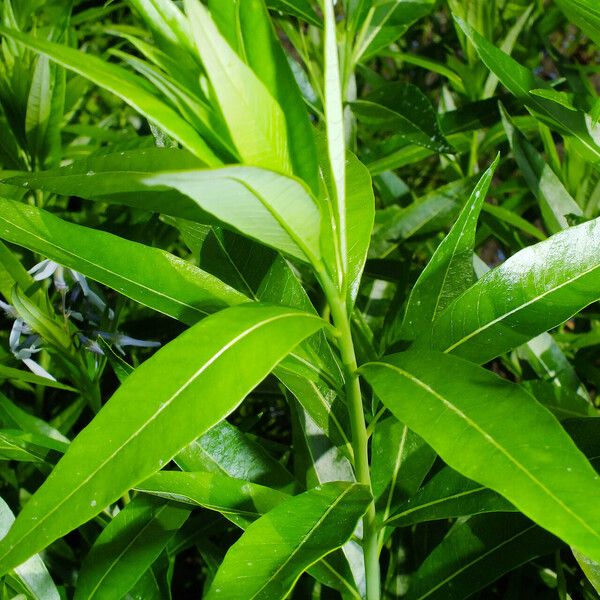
(171, 399)
(255, 120)
(123, 84)
(271, 208)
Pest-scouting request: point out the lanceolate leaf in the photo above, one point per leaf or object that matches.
(240, 501)
(520, 81)
(32, 576)
(273, 209)
(275, 550)
(127, 547)
(124, 84)
(477, 552)
(298, 8)
(585, 14)
(508, 442)
(535, 290)
(268, 60)
(117, 178)
(150, 276)
(450, 270)
(555, 201)
(255, 120)
(151, 417)
(448, 494)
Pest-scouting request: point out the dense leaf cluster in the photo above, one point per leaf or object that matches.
(300, 299)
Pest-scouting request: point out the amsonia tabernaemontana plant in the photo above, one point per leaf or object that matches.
(300, 299)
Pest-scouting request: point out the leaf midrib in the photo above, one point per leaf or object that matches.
(517, 308)
(161, 408)
(151, 291)
(490, 439)
(475, 561)
(303, 540)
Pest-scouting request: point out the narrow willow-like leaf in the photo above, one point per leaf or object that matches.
(117, 178)
(401, 460)
(32, 576)
(447, 495)
(520, 81)
(336, 143)
(125, 85)
(271, 208)
(508, 442)
(590, 567)
(555, 201)
(14, 417)
(13, 374)
(450, 270)
(298, 8)
(127, 547)
(255, 120)
(533, 291)
(585, 14)
(151, 417)
(268, 60)
(225, 449)
(275, 550)
(477, 552)
(390, 19)
(402, 108)
(150, 276)
(240, 501)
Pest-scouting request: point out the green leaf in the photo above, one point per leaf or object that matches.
(509, 442)
(400, 463)
(271, 208)
(477, 552)
(590, 568)
(533, 291)
(118, 179)
(225, 449)
(447, 495)
(255, 120)
(266, 57)
(125, 85)
(390, 20)
(127, 547)
(519, 81)
(13, 374)
(276, 549)
(159, 414)
(403, 109)
(14, 417)
(430, 213)
(150, 276)
(450, 270)
(555, 201)
(336, 143)
(298, 8)
(585, 14)
(240, 501)
(32, 576)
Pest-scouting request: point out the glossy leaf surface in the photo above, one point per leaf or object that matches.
(533, 291)
(276, 549)
(509, 442)
(148, 275)
(143, 411)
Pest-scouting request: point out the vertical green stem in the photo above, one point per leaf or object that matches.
(360, 440)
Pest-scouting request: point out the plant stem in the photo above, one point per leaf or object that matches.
(360, 441)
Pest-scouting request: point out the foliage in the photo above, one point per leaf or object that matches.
(301, 299)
